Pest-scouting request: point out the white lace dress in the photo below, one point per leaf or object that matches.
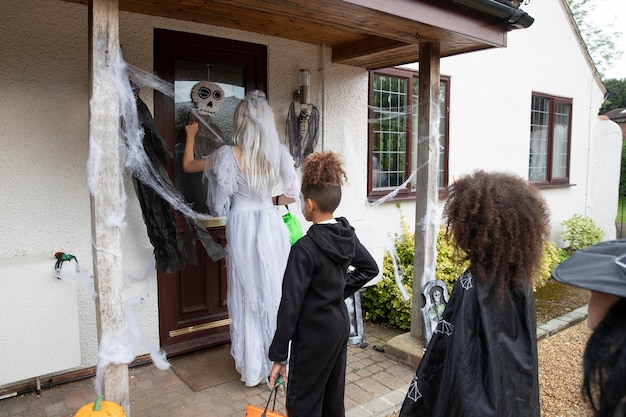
(256, 255)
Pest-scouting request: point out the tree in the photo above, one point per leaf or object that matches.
(617, 95)
(599, 40)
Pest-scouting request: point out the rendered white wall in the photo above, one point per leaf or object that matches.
(45, 127)
(45, 83)
(490, 101)
(39, 324)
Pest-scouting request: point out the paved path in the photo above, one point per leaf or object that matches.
(375, 386)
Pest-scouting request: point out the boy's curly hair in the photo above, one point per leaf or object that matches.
(500, 221)
(322, 178)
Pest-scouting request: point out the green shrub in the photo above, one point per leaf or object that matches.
(580, 232)
(552, 256)
(450, 261)
(383, 302)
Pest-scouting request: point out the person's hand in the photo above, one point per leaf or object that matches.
(191, 129)
(278, 376)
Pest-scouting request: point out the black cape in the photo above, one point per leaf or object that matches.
(171, 249)
(482, 358)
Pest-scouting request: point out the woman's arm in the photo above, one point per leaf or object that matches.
(190, 164)
(283, 200)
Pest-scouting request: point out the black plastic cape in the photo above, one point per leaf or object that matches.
(171, 250)
(482, 358)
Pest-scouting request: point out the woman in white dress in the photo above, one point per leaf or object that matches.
(240, 181)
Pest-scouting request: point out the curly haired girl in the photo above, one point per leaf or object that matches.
(482, 357)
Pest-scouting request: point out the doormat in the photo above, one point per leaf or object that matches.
(205, 368)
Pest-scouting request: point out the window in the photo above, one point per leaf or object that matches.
(550, 138)
(393, 131)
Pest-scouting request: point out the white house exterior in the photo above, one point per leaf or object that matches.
(45, 199)
(497, 86)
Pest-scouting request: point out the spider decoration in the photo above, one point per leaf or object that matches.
(61, 258)
(444, 327)
(414, 391)
(466, 281)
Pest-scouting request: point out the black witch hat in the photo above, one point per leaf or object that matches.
(600, 267)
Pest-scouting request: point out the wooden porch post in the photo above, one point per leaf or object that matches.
(426, 181)
(105, 201)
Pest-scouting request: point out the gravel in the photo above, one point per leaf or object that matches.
(560, 373)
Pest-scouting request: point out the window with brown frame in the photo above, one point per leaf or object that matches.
(550, 140)
(393, 98)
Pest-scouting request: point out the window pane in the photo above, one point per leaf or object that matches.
(539, 120)
(442, 131)
(389, 141)
(560, 135)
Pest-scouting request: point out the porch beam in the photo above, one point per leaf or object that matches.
(426, 199)
(365, 47)
(432, 14)
(104, 133)
(399, 20)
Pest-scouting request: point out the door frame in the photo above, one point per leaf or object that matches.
(168, 47)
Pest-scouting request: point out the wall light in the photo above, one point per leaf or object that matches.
(305, 102)
(305, 86)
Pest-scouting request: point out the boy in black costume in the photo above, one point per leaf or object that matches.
(312, 313)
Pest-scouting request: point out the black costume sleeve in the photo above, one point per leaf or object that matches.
(365, 269)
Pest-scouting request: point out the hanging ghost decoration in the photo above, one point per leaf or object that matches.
(302, 130)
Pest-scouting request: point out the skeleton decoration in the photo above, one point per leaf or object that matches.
(208, 98)
(435, 293)
(302, 130)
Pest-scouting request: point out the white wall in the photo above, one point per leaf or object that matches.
(45, 83)
(490, 101)
(45, 126)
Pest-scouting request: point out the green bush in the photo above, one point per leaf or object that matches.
(383, 302)
(552, 256)
(580, 232)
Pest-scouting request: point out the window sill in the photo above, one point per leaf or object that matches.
(401, 197)
(547, 186)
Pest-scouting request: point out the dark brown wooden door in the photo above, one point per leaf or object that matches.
(192, 302)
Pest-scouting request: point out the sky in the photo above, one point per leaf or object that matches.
(612, 11)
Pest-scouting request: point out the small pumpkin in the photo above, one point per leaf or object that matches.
(100, 408)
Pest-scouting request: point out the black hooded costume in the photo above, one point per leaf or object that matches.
(313, 316)
(482, 358)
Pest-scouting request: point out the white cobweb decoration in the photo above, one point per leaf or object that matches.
(121, 346)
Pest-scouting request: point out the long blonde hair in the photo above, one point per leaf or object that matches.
(255, 133)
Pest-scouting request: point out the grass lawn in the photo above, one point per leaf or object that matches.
(621, 210)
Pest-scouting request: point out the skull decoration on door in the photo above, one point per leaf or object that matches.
(208, 97)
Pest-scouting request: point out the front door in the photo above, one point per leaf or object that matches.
(192, 302)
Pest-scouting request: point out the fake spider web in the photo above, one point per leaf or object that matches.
(444, 327)
(466, 281)
(414, 392)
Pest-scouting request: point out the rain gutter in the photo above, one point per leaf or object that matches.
(502, 10)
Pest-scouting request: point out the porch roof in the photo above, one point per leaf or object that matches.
(365, 33)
